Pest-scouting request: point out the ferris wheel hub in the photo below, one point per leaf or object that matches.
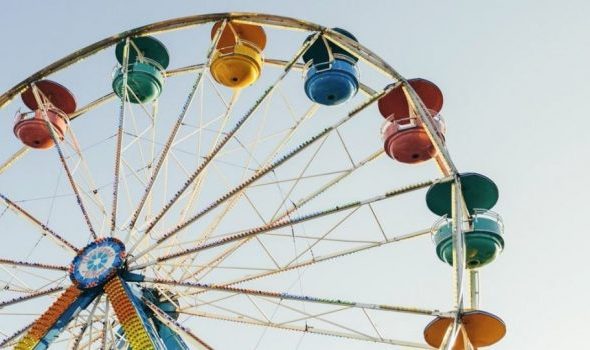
(97, 263)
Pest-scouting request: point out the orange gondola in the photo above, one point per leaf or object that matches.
(237, 60)
(481, 328)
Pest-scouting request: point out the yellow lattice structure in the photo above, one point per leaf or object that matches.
(135, 332)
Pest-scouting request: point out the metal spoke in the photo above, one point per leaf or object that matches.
(175, 129)
(119, 144)
(223, 142)
(225, 254)
(263, 171)
(292, 179)
(31, 296)
(105, 325)
(295, 259)
(198, 183)
(93, 193)
(33, 265)
(62, 242)
(308, 329)
(301, 173)
(15, 157)
(89, 321)
(320, 259)
(24, 288)
(288, 296)
(284, 223)
(299, 204)
(372, 323)
(321, 238)
(307, 115)
(39, 100)
(170, 322)
(36, 275)
(298, 123)
(317, 316)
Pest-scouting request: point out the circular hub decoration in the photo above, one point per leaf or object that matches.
(97, 263)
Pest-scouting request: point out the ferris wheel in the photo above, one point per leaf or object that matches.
(212, 156)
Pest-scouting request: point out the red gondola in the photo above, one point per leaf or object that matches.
(57, 102)
(405, 138)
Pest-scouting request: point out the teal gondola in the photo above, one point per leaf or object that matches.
(148, 59)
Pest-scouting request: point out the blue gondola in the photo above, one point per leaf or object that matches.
(332, 77)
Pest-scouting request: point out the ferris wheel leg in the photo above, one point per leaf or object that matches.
(151, 299)
(47, 327)
(170, 338)
(138, 331)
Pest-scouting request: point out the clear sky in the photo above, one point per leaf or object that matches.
(515, 79)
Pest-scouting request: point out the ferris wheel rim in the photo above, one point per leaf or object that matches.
(443, 158)
(186, 22)
(192, 21)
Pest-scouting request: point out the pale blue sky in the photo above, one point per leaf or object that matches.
(515, 79)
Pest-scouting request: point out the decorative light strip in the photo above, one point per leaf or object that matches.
(288, 296)
(48, 319)
(128, 316)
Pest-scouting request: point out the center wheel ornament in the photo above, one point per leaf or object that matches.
(97, 263)
(212, 170)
